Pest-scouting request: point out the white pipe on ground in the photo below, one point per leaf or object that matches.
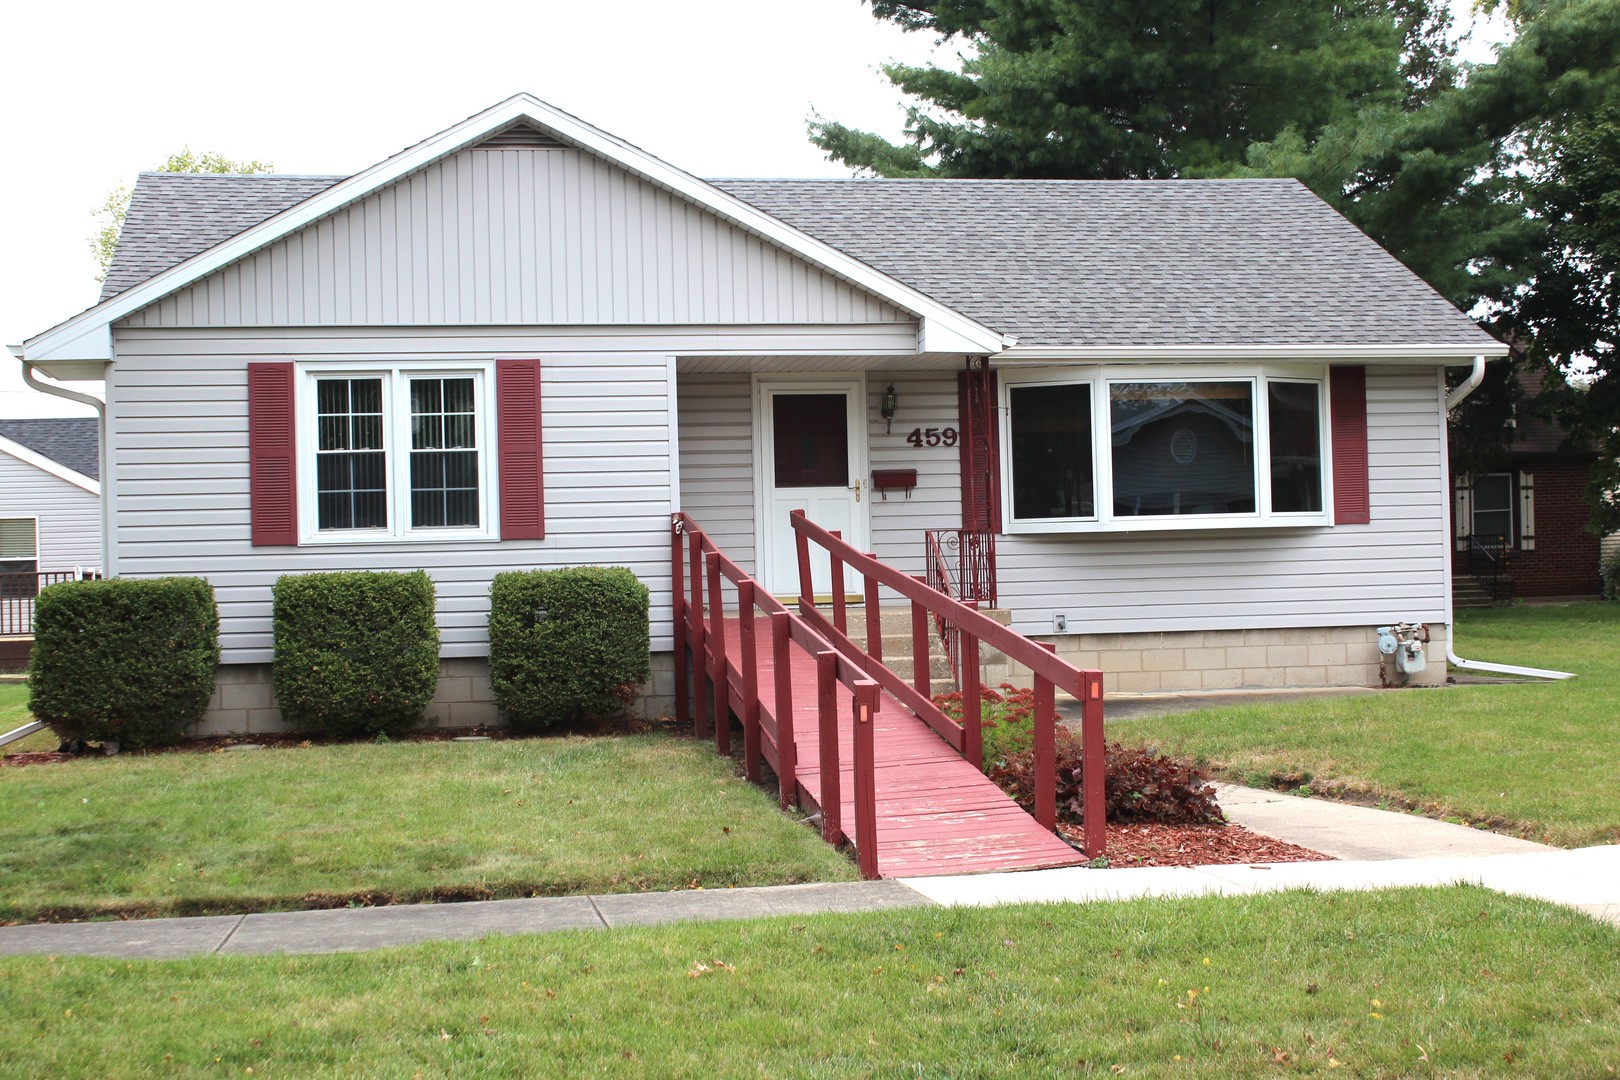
(1454, 399)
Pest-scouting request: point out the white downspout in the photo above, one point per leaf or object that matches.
(108, 562)
(1453, 399)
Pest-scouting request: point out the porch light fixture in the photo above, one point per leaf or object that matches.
(891, 402)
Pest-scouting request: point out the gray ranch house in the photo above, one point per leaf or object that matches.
(1193, 432)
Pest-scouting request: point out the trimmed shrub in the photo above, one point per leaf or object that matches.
(1140, 784)
(127, 660)
(357, 652)
(1611, 575)
(567, 645)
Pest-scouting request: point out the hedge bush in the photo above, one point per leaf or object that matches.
(567, 645)
(126, 660)
(357, 652)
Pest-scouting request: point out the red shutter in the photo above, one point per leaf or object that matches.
(272, 454)
(979, 450)
(517, 418)
(1347, 391)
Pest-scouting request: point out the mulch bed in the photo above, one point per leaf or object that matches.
(1193, 845)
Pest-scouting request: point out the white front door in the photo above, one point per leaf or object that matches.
(811, 438)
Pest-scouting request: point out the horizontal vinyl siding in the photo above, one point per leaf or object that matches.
(179, 429)
(1393, 568)
(717, 466)
(717, 460)
(926, 399)
(69, 516)
(518, 237)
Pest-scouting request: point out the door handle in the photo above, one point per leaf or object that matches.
(857, 491)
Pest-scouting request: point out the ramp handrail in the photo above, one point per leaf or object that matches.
(975, 628)
(700, 632)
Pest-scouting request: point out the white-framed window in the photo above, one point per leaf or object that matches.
(1127, 449)
(19, 556)
(1493, 508)
(395, 451)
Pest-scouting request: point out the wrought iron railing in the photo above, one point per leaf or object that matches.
(17, 593)
(1488, 564)
(961, 563)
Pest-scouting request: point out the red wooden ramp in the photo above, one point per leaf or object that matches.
(848, 738)
(935, 812)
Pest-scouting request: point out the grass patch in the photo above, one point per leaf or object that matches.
(324, 826)
(1455, 982)
(1536, 759)
(14, 714)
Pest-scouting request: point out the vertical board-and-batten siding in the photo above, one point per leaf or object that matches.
(178, 424)
(1392, 568)
(717, 462)
(69, 516)
(515, 237)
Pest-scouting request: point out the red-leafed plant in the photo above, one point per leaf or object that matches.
(1140, 785)
(1007, 719)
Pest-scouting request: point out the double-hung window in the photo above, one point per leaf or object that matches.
(398, 452)
(1130, 450)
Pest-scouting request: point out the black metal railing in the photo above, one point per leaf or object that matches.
(961, 563)
(1488, 564)
(17, 593)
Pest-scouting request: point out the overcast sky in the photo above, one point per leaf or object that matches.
(93, 93)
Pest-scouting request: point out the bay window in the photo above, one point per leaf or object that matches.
(1130, 450)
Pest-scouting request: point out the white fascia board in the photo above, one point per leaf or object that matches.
(1360, 354)
(50, 465)
(941, 326)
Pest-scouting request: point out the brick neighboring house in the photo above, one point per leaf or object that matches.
(1534, 507)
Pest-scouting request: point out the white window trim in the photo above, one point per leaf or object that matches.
(34, 558)
(396, 441)
(1100, 379)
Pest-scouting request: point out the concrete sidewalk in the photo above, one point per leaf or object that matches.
(1379, 849)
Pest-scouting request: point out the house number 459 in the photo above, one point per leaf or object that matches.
(932, 436)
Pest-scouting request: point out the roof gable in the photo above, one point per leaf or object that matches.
(506, 233)
(88, 335)
(66, 448)
(173, 216)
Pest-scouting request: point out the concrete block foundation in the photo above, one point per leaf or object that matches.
(244, 701)
(1314, 656)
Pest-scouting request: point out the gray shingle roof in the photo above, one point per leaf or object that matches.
(70, 442)
(173, 216)
(1051, 262)
(1126, 262)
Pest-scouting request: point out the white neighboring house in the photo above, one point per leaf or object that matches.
(50, 510)
(1205, 421)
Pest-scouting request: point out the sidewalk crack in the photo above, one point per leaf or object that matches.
(598, 911)
(240, 919)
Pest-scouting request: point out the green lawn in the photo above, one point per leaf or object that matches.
(269, 829)
(1445, 982)
(1538, 759)
(14, 714)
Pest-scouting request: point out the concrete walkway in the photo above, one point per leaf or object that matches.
(1378, 849)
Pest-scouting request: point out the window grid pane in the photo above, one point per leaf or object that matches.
(351, 461)
(1051, 452)
(444, 454)
(1295, 425)
(1182, 448)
